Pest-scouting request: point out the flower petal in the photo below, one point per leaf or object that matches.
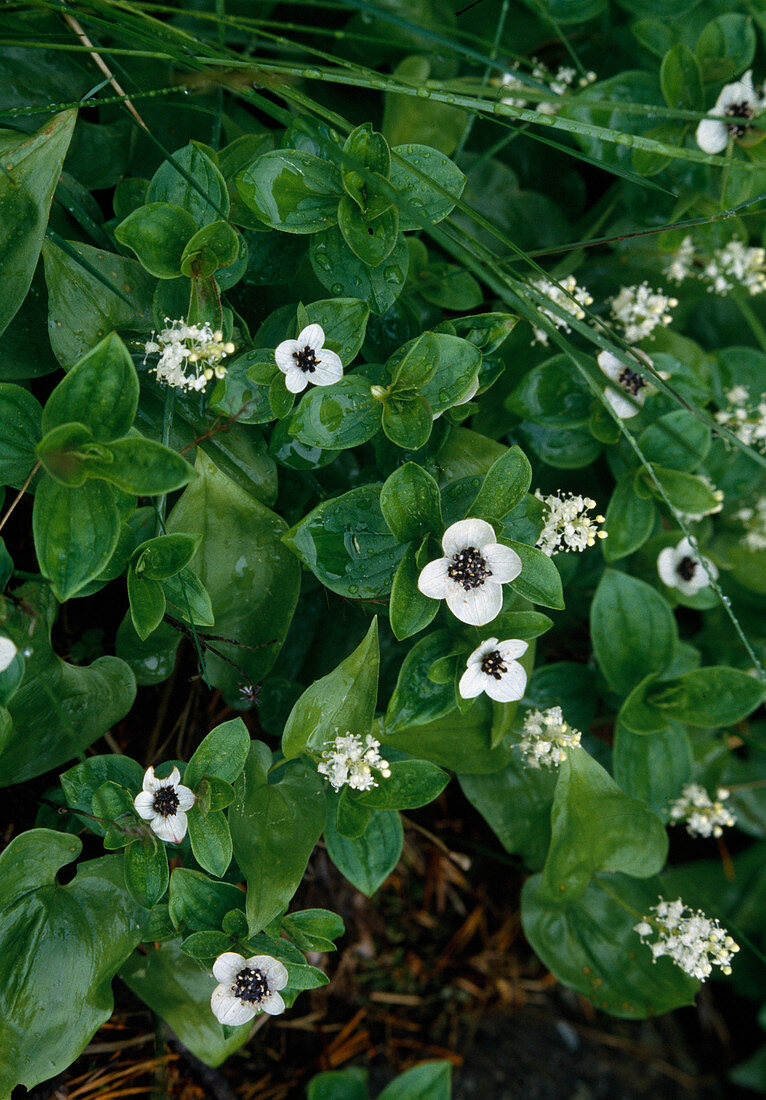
(481, 651)
(312, 336)
(684, 549)
(296, 380)
(329, 369)
(511, 685)
(8, 651)
(739, 91)
(171, 828)
(504, 562)
(476, 606)
(272, 1004)
(284, 355)
(512, 648)
(144, 805)
(433, 580)
(227, 966)
(467, 532)
(472, 682)
(712, 136)
(171, 780)
(272, 969)
(666, 566)
(150, 783)
(624, 409)
(610, 365)
(228, 1009)
(186, 797)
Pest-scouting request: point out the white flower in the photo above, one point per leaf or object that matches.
(703, 815)
(754, 521)
(627, 379)
(307, 360)
(681, 263)
(350, 761)
(190, 355)
(472, 572)
(736, 265)
(683, 568)
(492, 669)
(163, 803)
(746, 421)
(639, 310)
(247, 987)
(694, 942)
(547, 737)
(736, 105)
(567, 524)
(563, 298)
(8, 651)
(559, 84)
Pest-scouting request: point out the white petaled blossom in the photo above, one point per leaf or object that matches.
(682, 567)
(736, 266)
(541, 79)
(744, 418)
(472, 572)
(693, 941)
(567, 523)
(569, 296)
(736, 107)
(681, 264)
(493, 669)
(350, 761)
(629, 388)
(753, 520)
(163, 803)
(247, 987)
(639, 310)
(8, 651)
(190, 355)
(307, 360)
(547, 738)
(702, 815)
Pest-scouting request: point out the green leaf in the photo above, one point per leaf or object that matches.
(72, 939)
(417, 698)
(201, 189)
(291, 190)
(595, 827)
(371, 240)
(553, 394)
(726, 47)
(412, 783)
(709, 696)
(370, 150)
(687, 493)
(188, 598)
(337, 268)
(164, 556)
(251, 578)
(337, 417)
(222, 753)
(630, 519)
(101, 392)
(341, 1084)
(653, 767)
(539, 580)
(466, 743)
(590, 945)
(344, 321)
(505, 485)
(147, 604)
(516, 804)
(427, 1081)
(274, 827)
(681, 79)
(20, 415)
(63, 453)
(368, 860)
(314, 929)
(633, 630)
(407, 421)
(210, 841)
(339, 703)
(146, 870)
(409, 610)
(411, 503)
(75, 531)
(178, 989)
(677, 440)
(422, 201)
(81, 782)
(197, 904)
(157, 233)
(211, 248)
(347, 545)
(150, 661)
(140, 466)
(31, 167)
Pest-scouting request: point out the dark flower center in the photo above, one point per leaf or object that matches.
(306, 359)
(250, 985)
(492, 664)
(631, 381)
(686, 568)
(468, 568)
(739, 110)
(165, 801)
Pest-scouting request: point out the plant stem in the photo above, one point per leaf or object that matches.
(167, 427)
(19, 495)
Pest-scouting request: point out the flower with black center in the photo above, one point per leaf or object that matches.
(307, 360)
(736, 107)
(493, 669)
(623, 379)
(8, 651)
(163, 803)
(247, 987)
(472, 572)
(683, 568)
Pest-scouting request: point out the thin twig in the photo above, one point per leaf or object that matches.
(19, 495)
(78, 30)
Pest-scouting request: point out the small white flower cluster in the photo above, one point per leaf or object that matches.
(570, 297)
(681, 264)
(693, 941)
(639, 310)
(349, 761)
(547, 737)
(754, 522)
(748, 423)
(567, 523)
(190, 355)
(736, 265)
(702, 815)
(559, 83)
